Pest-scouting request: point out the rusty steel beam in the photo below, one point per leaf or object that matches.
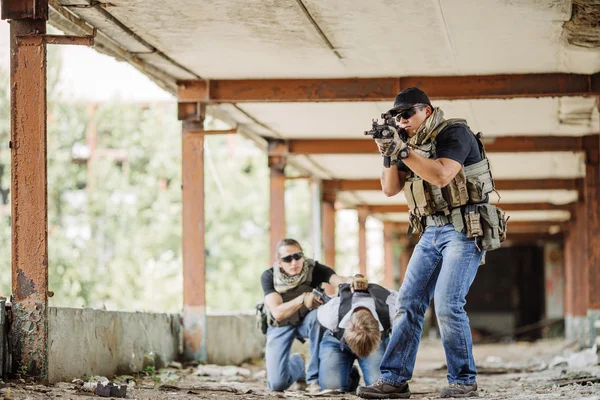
(536, 226)
(403, 208)
(385, 89)
(194, 246)
(29, 196)
(37, 40)
(532, 237)
(24, 9)
(344, 185)
(508, 144)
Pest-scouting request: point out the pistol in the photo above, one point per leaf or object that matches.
(321, 295)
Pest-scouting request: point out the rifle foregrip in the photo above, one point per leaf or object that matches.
(387, 161)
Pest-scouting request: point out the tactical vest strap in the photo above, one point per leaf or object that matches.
(299, 315)
(379, 295)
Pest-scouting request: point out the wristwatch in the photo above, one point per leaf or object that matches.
(404, 153)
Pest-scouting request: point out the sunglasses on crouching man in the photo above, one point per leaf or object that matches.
(409, 112)
(295, 256)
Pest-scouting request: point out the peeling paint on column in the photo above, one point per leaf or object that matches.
(194, 322)
(25, 286)
(29, 330)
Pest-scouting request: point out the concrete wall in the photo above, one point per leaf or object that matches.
(89, 342)
(94, 342)
(233, 338)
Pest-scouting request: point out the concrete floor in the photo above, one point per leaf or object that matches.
(506, 371)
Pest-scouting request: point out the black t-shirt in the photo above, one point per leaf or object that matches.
(457, 143)
(321, 274)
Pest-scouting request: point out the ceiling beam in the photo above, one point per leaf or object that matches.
(501, 184)
(385, 89)
(403, 208)
(505, 144)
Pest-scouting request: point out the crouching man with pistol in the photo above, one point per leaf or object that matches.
(291, 314)
(444, 172)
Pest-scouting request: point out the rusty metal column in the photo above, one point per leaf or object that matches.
(194, 259)
(363, 213)
(592, 202)
(328, 214)
(388, 254)
(277, 162)
(29, 196)
(576, 323)
(570, 290)
(328, 225)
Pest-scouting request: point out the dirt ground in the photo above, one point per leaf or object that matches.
(506, 371)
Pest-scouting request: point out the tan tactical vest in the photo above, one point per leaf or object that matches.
(470, 186)
(305, 287)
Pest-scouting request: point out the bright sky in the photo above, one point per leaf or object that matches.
(89, 75)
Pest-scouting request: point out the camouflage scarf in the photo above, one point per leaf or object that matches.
(424, 139)
(284, 282)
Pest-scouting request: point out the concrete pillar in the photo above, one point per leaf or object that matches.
(592, 203)
(194, 259)
(363, 213)
(277, 162)
(29, 195)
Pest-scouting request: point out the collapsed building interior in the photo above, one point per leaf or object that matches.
(303, 79)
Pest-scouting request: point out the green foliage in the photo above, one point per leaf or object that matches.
(114, 211)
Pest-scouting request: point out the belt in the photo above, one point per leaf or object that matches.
(437, 220)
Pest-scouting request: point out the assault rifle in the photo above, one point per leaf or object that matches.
(386, 130)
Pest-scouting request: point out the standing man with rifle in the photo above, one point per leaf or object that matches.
(445, 174)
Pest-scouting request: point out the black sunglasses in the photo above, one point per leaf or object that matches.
(408, 113)
(295, 256)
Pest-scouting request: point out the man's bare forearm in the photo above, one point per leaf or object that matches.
(438, 172)
(392, 181)
(287, 309)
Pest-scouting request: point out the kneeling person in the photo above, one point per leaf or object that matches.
(358, 327)
(291, 304)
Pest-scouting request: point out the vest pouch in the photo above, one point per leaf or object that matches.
(491, 227)
(422, 197)
(502, 224)
(457, 194)
(475, 189)
(409, 196)
(415, 225)
(473, 224)
(439, 203)
(263, 317)
(457, 220)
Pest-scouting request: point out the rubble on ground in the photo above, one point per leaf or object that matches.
(520, 371)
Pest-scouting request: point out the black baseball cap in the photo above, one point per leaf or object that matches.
(407, 98)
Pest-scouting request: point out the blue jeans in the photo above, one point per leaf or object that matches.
(443, 265)
(335, 364)
(284, 369)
